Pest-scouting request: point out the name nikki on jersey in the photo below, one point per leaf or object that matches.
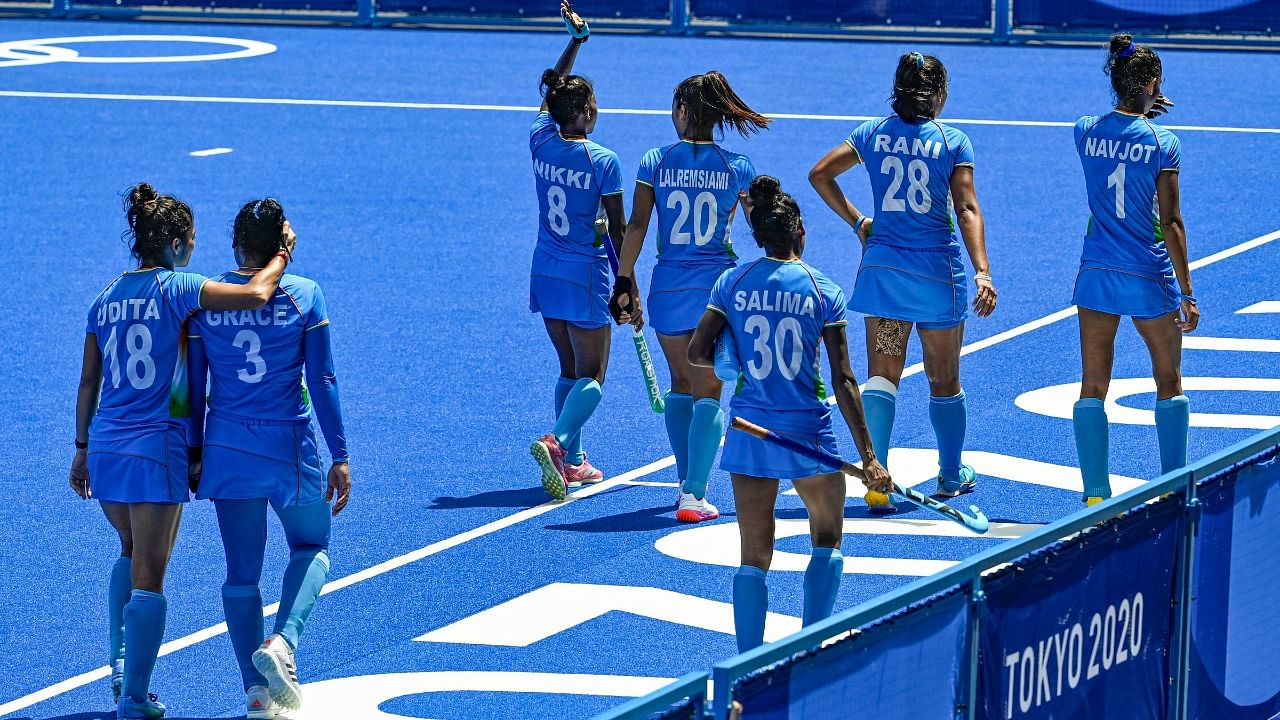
(562, 176)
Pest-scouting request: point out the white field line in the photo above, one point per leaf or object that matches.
(404, 105)
(626, 478)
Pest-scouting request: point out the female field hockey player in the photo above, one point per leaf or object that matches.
(778, 310)
(695, 185)
(911, 272)
(569, 280)
(1134, 261)
(131, 445)
(259, 449)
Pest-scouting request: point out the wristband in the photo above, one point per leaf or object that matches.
(340, 461)
(288, 256)
(981, 276)
(857, 225)
(1189, 298)
(81, 445)
(580, 35)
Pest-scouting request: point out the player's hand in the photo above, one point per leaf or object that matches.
(79, 477)
(984, 302)
(1159, 107)
(288, 239)
(339, 485)
(877, 478)
(864, 231)
(1189, 318)
(622, 300)
(574, 22)
(636, 317)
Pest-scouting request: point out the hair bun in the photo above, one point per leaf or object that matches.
(1119, 43)
(552, 80)
(765, 189)
(141, 194)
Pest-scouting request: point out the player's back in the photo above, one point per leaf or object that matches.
(696, 189)
(570, 175)
(910, 165)
(138, 322)
(1122, 156)
(256, 357)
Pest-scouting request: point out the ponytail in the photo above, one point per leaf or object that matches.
(919, 87)
(775, 216)
(712, 105)
(1132, 67)
(155, 221)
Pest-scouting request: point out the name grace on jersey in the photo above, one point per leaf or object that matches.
(918, 147)
(774, 301)
(1117, 150)
(580, 179)
(267, 315)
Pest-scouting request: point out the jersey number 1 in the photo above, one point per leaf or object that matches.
(1116, 180)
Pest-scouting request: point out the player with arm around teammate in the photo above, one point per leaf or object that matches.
(695, 186)
(778, 310)
(258, 448)
(911, 272)
(133, 401)
(569, 280)
(1134, 260)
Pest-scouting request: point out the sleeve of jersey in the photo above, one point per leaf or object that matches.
(91, 322)
(964, 152)
(648, 168)
(1171, 158)
(542, 126)
(835, 307)
(719, 301)
(322, 378)
(857, 140)
(609, 169)
(197, 379)
(186, 292)
(746, 173)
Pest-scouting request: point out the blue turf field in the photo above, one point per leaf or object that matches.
(418, 221)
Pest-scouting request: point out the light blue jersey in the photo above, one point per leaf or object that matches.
(777, 311)
(910, 165)
(256, 357)
(138, 322)
(570, 176)
(1122, 156)
(696, 187)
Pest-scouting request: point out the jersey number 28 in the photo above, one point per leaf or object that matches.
(917, 173)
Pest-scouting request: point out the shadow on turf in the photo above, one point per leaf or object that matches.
(108, 715)
(520, 497)
(662, 517)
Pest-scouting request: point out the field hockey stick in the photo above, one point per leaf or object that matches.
(656, 403)
(977, 522)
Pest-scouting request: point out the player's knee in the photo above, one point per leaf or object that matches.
(149, 579)
(825, 538)
(1168, 384)
(126, 547)
(944, 383)
(1093, 389)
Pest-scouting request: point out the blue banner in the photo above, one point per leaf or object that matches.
(879, 673)
(1235, 651)
(927, 13)
(1150, 16)
(606, 9)
(1082, 628)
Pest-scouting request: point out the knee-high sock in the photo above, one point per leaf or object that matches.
(879, 405)
(706, 428)
(1173, 417)
(750, 606)
(242, 607)
(1092, 446)
(118, 591)
(581, 400)
(821, 583)
(303, 579)
(677, 417)
(144, 618)
(949, 419)
(573, 448)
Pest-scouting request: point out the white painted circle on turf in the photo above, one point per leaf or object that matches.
(1058, 401)
(56, 53)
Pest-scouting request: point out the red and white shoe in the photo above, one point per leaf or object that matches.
(546, 451)
(576, 476)
(693, 510)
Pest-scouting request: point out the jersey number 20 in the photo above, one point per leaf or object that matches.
(704, 202)
(762, 362)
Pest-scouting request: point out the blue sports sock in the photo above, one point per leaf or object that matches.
(242, 607)
(821, 583)
(1092, 440)
(750, 606)
(144, 618)
(118, 591)
(879, 405)
(581, 400)
(572, 448)
(1173, 418)
(949, 418)
(303, 579)
(677, 417)
(706, 428)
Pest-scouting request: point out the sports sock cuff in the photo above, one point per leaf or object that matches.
(586, 384)
(673, 395)
(1089, 403)
(565, 383)
(321, 557)
(707, 401)
(751, 571)
(821, 552)
(239, 590)
(881, 384)
(1174, 401)
(947, 400)
(146, 595)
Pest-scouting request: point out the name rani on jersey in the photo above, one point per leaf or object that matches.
(918, 147)
(774, 301)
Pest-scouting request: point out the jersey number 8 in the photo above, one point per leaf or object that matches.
(917, 191)
(556, 216)
(788, 363)
(139, 366)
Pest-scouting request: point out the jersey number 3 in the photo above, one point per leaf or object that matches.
(252, 345)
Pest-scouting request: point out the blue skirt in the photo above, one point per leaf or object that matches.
(919, 286)
(247, 459)
(133, 462)
(678, 295)
(573, 291)
(748, 455)
(1144, 296)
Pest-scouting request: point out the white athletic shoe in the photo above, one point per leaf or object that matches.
(275, 661)
(117, 680)
(693, 510)
(259, 705)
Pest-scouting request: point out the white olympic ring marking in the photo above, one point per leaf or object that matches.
(40, 51)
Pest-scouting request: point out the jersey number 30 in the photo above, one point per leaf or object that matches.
(762, 362)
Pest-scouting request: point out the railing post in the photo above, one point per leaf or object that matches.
(60, 8)
(1003, 20)
(1180, 657)
(977, 600)
(679, 17)
(365, 10)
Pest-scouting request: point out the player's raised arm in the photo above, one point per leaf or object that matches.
(579, 31)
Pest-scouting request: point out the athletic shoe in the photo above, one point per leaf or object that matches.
(879, 503)
(117, 680)
(951, 487)
(275, 661)
(1093, 500)
(692, 509)
(131, 709)
(259, 705)
(584, 474)
(550, 457)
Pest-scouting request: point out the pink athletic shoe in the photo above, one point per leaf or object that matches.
(576, 476)
(695, 510)
(550, 457)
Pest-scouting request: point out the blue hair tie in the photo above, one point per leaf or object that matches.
(1127, 51)
(919, 60)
